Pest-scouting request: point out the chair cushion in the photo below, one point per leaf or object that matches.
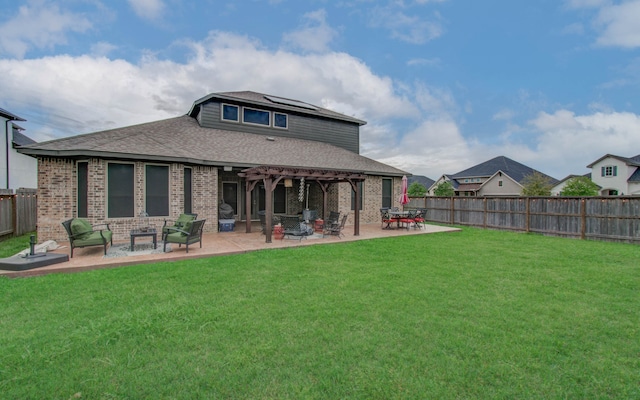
(187, 226)
(81, 228)
(183, 219)
(94, 238)
(176, 237)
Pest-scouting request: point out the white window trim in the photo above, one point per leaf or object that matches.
(274, 121)
(253, 123)
(222, 118)
(144, 185)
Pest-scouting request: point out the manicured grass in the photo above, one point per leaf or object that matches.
(12, 246)
(473, 314)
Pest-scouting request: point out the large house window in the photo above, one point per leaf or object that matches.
(610, 170)
(253, 116)
(120, 202)
(83, 189)
(353, 196)
(387, 192)
(157, 190)
(280, 120)
(230, 195)
(188, 184)
(280, 199)
(230, 113)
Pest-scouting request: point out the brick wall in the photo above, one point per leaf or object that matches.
(57, 193)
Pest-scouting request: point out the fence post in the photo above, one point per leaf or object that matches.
(583, 219)
(484, 220)
(528, 214)
(453, 210)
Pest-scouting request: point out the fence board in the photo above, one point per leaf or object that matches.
(18, 212)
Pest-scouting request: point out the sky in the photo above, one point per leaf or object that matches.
(442, 84)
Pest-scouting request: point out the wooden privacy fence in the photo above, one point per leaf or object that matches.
(17, 212)
(598, 218)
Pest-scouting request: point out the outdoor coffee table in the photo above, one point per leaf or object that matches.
(142, 233)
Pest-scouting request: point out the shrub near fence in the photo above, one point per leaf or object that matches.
(599, 218)
(17, 212)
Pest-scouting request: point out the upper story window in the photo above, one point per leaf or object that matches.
(280, 120)
(609, 170)
(253, 116)
(230, 113)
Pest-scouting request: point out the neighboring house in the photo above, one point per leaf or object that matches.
(500, 176)
(16, 170)
(559, 187)
(617, 176)
(444, 178)
(246, 149)
(423, 180)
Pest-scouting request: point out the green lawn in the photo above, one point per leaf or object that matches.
(468, 315)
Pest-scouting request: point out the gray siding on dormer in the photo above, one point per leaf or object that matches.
(335, 132)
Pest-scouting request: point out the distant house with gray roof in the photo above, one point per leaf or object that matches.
(616, 175)
(230, 147)
(16, 170)
(500, 176)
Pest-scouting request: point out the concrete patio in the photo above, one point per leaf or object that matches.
(213, 244)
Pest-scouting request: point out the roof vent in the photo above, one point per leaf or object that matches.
(271, 138)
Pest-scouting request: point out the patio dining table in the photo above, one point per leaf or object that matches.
(395, 216)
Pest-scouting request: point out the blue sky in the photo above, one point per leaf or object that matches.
(443, 84)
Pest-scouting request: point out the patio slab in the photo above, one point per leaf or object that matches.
(213, 244)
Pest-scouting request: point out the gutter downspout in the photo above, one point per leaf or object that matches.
(6, 142)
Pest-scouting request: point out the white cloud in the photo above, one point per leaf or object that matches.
(621, 25)
(569, 142)
(96, 93)
(424, 62)
(39, 25)
(148, 9)
(503, 115)
(315, 36)
(410, 29)
(587, 3)
(102, 49)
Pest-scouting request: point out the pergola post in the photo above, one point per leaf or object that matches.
(268, 200)
(247, 204)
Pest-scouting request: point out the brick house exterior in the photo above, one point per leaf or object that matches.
(213, 150)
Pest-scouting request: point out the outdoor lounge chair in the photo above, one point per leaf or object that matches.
(333, 218)
(82, 234)
(420, 218)
(177, 224)
(335, 229)
(294, 226)
(262, 214)
(190, 233)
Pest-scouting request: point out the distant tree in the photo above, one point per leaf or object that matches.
(417, 189)
(580, 186)
(444, 189)
(536, 184)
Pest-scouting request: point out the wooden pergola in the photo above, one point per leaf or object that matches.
(272, 175)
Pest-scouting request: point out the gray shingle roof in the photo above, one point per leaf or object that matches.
(10, 116)
(514, 169)
(634, 161)
(423, 180)
(21, 140)
(261, 99)
(182, 139)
